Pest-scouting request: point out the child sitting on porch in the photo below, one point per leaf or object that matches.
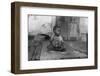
(56, 42)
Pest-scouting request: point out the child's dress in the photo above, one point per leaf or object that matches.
(56, 44)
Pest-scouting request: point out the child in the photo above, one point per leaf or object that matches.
(56, 43)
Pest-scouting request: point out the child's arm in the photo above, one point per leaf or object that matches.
(61, 39)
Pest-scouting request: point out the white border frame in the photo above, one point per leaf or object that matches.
(25, 64)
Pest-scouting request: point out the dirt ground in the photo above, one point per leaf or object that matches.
(74, 49)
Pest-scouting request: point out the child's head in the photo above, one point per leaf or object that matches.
(57, 30)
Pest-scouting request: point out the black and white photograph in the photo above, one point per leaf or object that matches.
(57, 37)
